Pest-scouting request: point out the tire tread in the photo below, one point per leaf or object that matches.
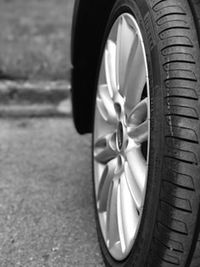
(179, 198)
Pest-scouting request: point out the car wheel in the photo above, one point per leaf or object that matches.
(145, 149)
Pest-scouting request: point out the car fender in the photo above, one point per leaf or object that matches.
(89, 22)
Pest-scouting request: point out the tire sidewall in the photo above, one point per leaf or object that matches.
(142, 13)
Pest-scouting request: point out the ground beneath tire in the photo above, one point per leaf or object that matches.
(46, 207)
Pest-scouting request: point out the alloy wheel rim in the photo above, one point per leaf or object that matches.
(122, 136)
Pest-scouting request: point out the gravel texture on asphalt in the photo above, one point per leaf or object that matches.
(46, 209)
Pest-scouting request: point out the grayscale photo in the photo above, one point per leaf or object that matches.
(100, 133)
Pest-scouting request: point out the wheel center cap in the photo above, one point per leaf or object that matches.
(120, 136)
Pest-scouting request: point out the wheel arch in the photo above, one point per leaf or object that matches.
(89, 22)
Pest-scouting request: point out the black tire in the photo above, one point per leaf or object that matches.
(195, 7)
(168, 234)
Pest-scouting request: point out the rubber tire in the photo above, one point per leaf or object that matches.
(195, 7)
(168, 234)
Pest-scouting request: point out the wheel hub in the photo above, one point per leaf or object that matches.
(120, 136)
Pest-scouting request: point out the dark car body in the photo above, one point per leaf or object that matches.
(90, 18)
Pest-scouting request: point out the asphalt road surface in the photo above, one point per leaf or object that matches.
(46, 210)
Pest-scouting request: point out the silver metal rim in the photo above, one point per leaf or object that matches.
(122, 136)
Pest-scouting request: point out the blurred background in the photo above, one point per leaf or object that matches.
(46, 205)
(35, 39)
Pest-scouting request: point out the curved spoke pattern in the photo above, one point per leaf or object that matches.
(105, 149)
(125, 32)
(139, 113)
(105, 183)
(138, 122)
(127, 215)
(110, 67)
(136, 172)
(134, 187)
(122, 125)
(135, 76)
(112, 216)
(106, 105)
(140, 133)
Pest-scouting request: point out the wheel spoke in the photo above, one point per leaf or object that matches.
(104, 148)
(134, 187)
(105, 105)
(112, 216)
(125, 32)
(110, 67)
(136, 76)
(139, 133)
(139, 113)
(138, 122)
(136, 172)
(104, 186)
(128, 216)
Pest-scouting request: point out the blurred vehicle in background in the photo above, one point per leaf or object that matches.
(136, 88)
